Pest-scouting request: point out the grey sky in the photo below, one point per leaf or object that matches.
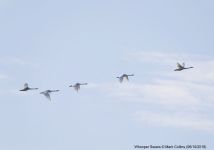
(53, 44)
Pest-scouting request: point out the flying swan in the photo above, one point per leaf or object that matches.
(27, 88)
(77, 86)
(47, 93)
(124, 76)
(181, 67)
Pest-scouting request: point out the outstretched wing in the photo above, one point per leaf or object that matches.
(179, 66)
(183, 64)
(25, 85)
(126, 77)
(76, 89)
(121, 79)
(47, 96)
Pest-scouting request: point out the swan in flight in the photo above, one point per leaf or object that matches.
(124, 76)
(47, 93)
(77, 86)
(27, 88)
(181, 67)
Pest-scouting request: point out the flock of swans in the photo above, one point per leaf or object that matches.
(76, 86)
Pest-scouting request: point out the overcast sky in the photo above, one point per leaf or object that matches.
(52, 44)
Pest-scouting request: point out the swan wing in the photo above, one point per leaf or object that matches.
(47, 96)
(179, 66)
(25, 85)
(126, 77)
(121, 79)
(76, 89)
(183, 64)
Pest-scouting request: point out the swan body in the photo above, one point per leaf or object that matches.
(181, 67)
(77, 86)
(47, 93)
(124, 76)
(27, 88)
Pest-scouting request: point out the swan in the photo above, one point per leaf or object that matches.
(47, 92)
(124, 76)
(27, 88)
(77, 86)
(181, 67)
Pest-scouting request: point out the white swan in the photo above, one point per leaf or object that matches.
(47, 92)
(124, 76)
(181, 67)
(27, 88)
(77, 86)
